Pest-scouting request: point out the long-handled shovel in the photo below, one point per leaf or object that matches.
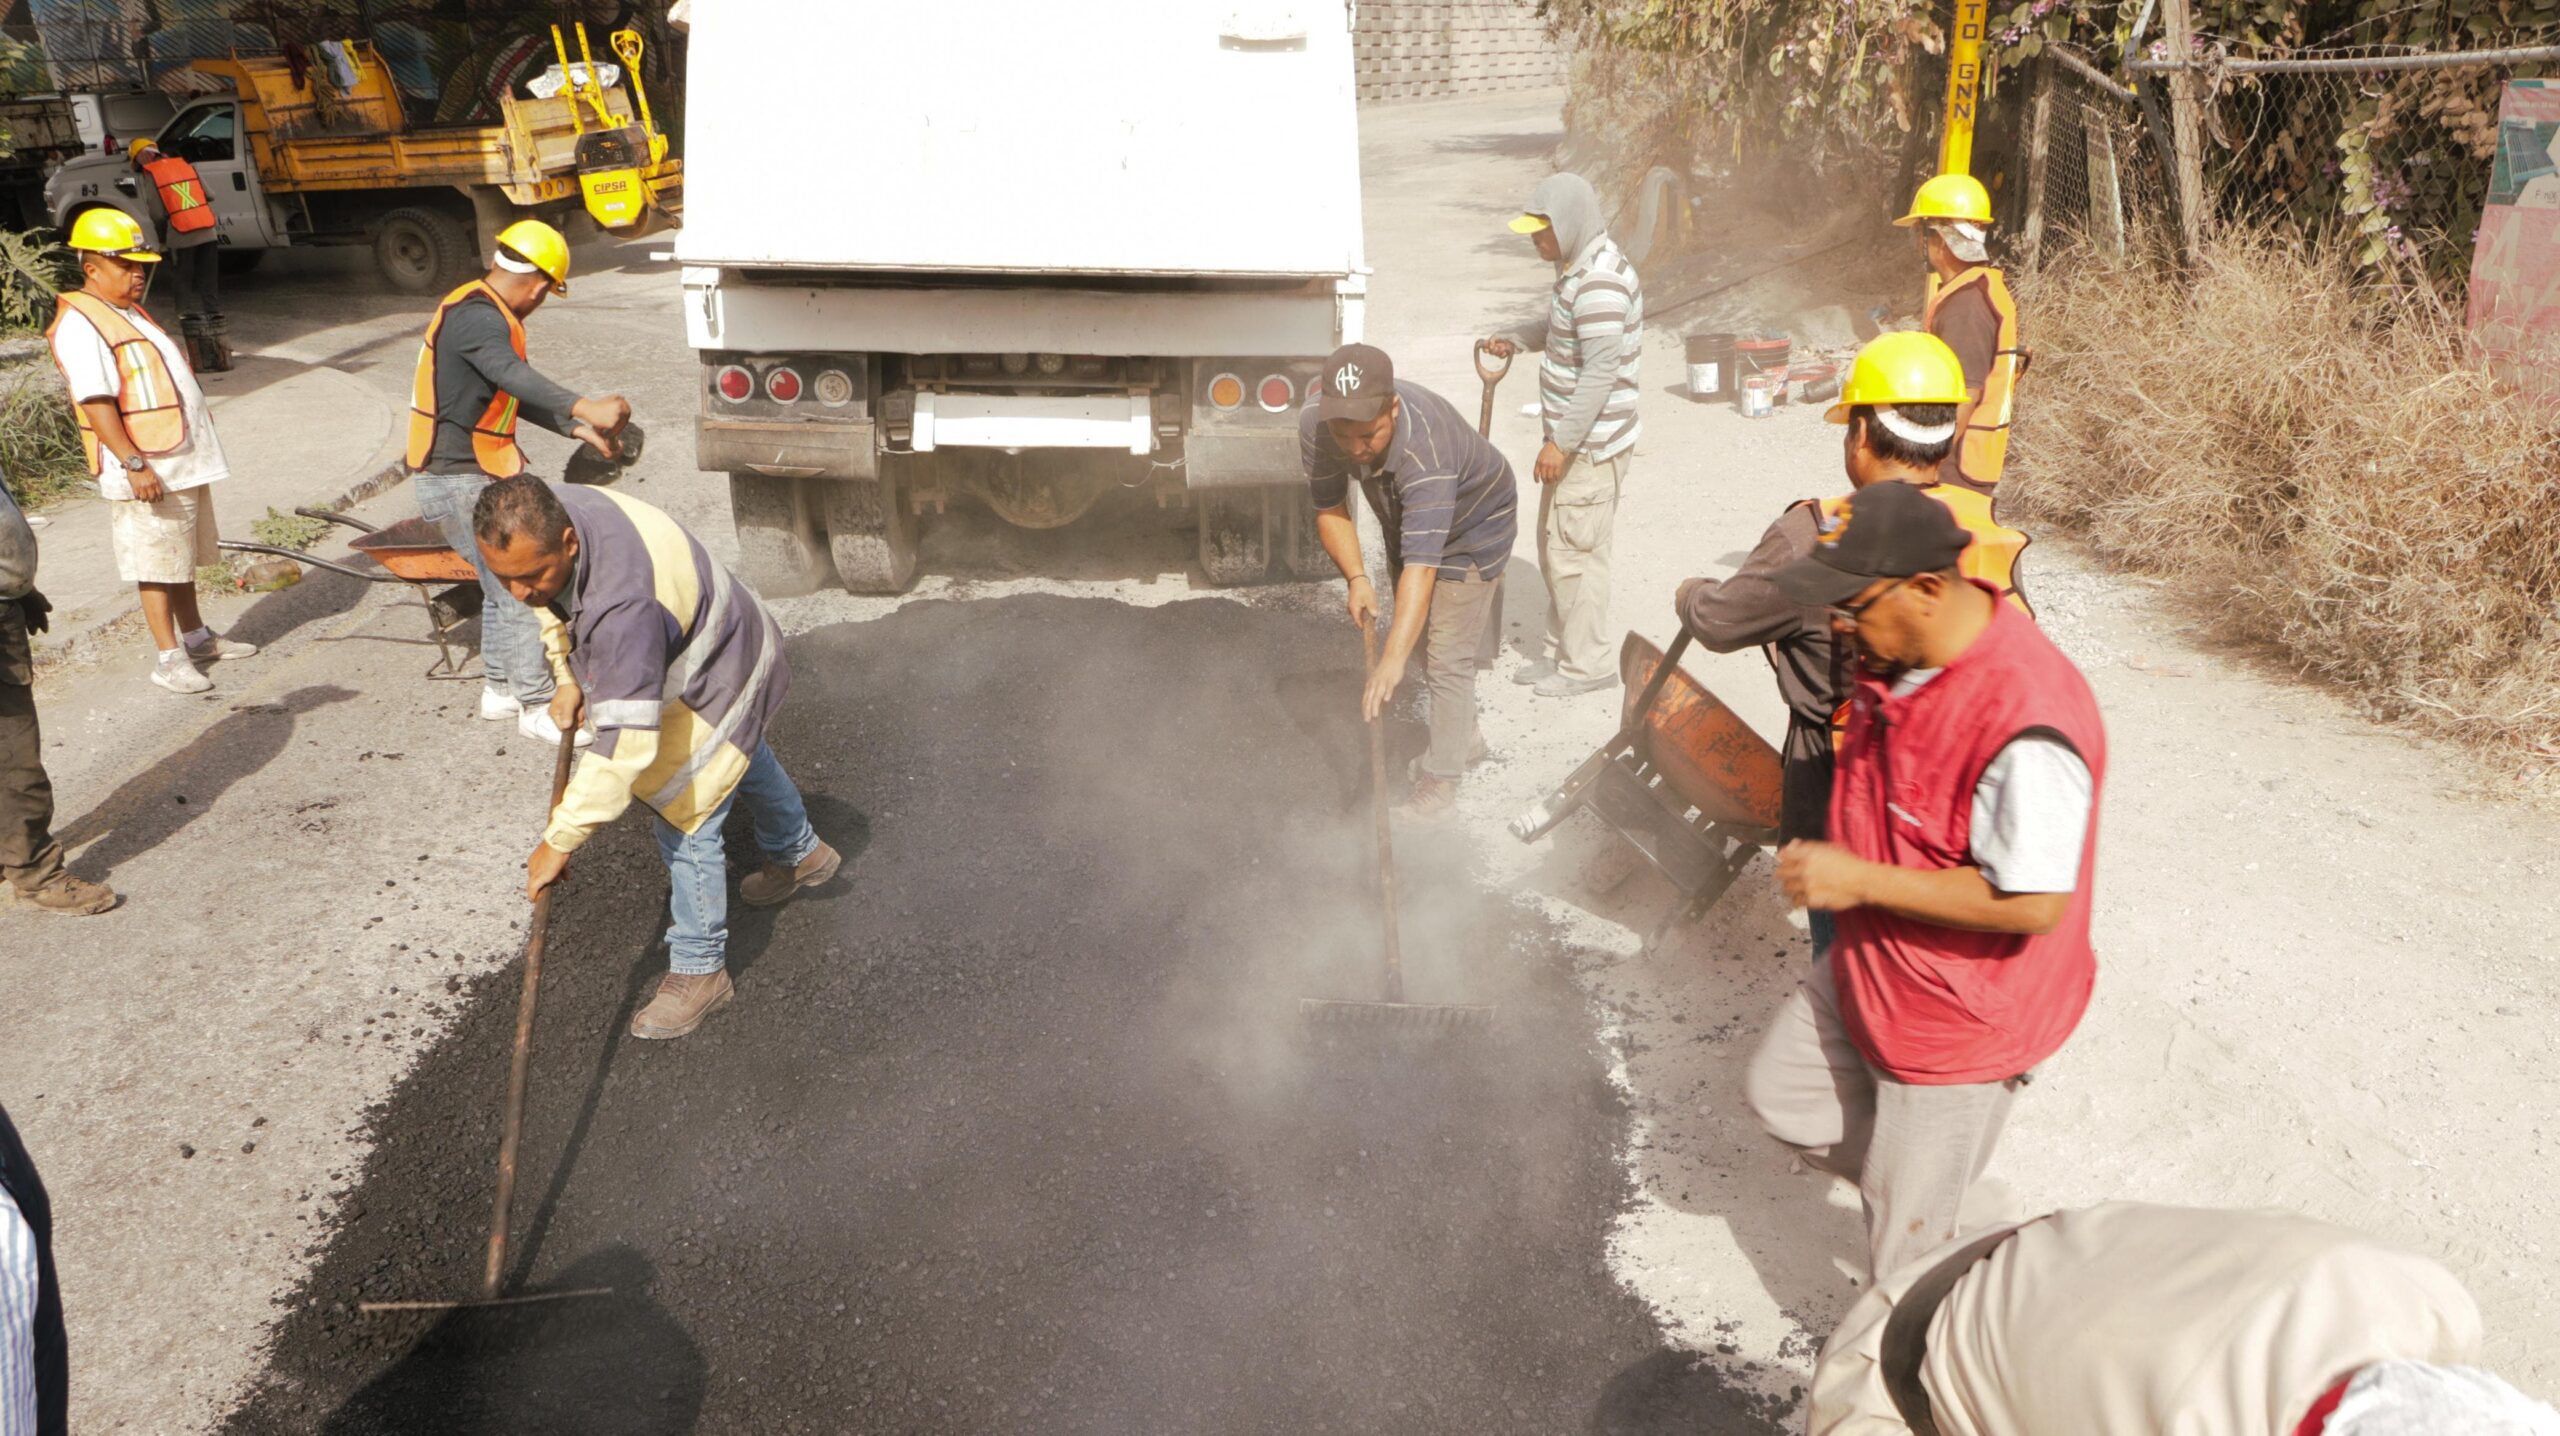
(518, 1077)
(1391, 1009)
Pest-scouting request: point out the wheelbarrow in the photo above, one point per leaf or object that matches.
(412, 551)
(1684, 780)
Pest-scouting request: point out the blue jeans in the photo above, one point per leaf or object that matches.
(511, 657)
(698, 862)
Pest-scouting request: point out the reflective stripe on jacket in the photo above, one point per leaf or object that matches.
(1984, 445)
(493, 433)
(146, 392)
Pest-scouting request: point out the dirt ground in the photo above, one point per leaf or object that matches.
(2324, 955)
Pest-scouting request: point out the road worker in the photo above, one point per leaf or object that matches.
(188, 234)
(472, 385)
(149, 439)
(2135, 1320)
(1897, 413)
(1594, 336)
(1449, 503)
(680, 667)
(1962, 840)
(1969, 307)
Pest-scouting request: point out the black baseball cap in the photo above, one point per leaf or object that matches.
(1886, 530)
(1356, 383)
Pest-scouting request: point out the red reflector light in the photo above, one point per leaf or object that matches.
(735, 384)
(782, 385)
(1277, 391)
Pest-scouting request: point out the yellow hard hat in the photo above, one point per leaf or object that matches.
(542, 247)
(1529, 224)
(1902, 368)
(1949, 197)
(113, 233)
(141, 143)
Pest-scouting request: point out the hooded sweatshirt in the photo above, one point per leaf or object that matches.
(1595, 327)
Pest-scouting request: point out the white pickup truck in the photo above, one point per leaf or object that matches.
(1017, 253)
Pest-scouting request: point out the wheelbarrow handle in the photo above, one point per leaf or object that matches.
(332, 516)
(236, 546)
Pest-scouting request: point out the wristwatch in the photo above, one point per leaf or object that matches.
(135, 463)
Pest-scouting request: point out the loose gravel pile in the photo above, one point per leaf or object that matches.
(1013, 1126)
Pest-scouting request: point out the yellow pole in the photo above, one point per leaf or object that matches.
(568, 77)
(595, 82)
(1964, 86)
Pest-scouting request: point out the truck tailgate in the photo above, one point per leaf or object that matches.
(1141, 137)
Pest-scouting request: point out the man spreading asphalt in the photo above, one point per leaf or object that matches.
(149, 439)
(471, 385)
(2134, 1320)
(1958, 875)
(1587, 401)
(681, 668)
(1970, 308)
(1448, 502)
(30, 858)
(188, 235)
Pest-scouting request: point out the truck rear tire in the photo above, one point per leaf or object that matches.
(870, 534)
(422, 251)
(1235, 535)
(779, 548)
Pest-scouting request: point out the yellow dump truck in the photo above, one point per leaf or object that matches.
(290, 157)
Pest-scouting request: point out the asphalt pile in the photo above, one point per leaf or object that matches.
(1015, 1126)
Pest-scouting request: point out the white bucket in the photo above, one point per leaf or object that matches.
(1758, 398)
(1705, 379)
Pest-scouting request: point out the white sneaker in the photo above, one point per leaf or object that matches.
(498, 705)
(219, 647)
(178, 675)
(535, 723)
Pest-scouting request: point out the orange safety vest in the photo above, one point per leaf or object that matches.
(1984, 445)
(493, 434)
(182, 194)
(146, 392)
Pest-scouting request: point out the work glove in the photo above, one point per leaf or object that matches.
(36, 607)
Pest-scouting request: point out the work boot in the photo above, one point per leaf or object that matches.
(191, 336)
(70, 896)
(1432, 801)
(217, 343)
(775, 882)
(683, 999)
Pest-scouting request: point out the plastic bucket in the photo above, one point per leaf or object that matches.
(1759, 395)
(1767, 355)
(1710, 367)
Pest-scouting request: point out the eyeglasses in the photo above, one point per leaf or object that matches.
(1853, 613)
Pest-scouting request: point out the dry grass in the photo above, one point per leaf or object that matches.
(2315, 463)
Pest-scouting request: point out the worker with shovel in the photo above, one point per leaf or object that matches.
(1957, 873)
(1594, 337)
(681, 668)
(2129, 1319)
(1449, 502)
(471, 385)
(1969, 307)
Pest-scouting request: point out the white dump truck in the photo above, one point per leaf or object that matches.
(1015, 254)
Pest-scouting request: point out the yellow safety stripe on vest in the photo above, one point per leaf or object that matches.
(493, 432)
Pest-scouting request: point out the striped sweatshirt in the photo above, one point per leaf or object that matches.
(1595, 335)
(681, 665)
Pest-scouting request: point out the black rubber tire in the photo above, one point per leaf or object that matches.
(780, 551)
(870, 534)
(1235, 535)
(235, 262)
(422, 251)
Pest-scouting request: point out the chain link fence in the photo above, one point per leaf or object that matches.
(2089, 170)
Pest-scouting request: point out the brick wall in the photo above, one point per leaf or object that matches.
(1412, 49)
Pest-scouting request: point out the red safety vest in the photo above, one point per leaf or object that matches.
(1934, 1005)
(1983, 447)
(146, 392)
(493, 432)
(182, 194)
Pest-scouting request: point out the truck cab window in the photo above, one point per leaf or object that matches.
(204, 136)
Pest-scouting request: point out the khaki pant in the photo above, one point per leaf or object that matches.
(1453, 631)
(29, 856)
(1915, 1152)
(1576, 514)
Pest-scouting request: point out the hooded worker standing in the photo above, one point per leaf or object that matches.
(2129, 1319)
(189, 231)
(1587, 407)
(472, 385)
(1970, 308)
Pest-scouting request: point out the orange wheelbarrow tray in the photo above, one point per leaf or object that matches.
(412, 551)
(1684, 780)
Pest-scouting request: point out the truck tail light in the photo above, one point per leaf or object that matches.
(835, 388)
(1277, 391)
(735, 384)
(782, 386)
(1226, 392)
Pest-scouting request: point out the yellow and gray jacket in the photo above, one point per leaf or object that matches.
(681, 664)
